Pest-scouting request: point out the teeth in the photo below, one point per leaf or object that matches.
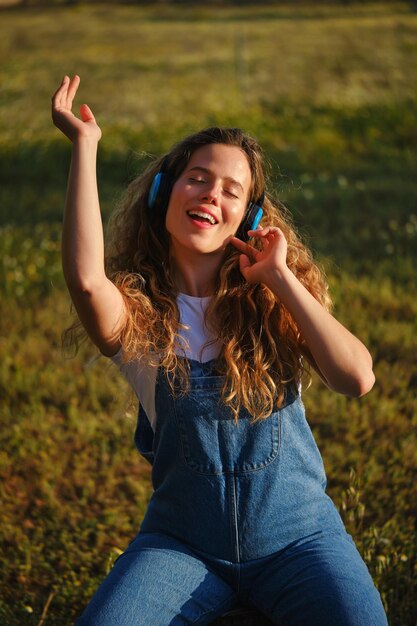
(206, 216)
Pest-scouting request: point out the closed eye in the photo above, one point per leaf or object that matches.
(231, 194)
(196, 180)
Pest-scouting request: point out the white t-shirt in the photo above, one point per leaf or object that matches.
(142, 377)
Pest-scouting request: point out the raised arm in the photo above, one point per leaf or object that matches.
(340, 358)
(98, 302)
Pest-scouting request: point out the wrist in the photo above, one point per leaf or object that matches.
(85, 147)
(279, 279)
(86, 140)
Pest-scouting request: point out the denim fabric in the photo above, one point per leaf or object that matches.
(319, 580)
(239, 512)
(239, 491)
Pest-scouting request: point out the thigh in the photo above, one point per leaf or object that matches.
(322, 580)
(158, 581)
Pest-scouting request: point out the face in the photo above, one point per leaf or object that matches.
(209, 200)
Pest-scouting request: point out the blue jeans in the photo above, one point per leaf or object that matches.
(319, 580)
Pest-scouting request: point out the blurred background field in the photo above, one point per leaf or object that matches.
(330, 92)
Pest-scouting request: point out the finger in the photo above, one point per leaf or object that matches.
(266, 242)
(58, 95)
(244, 263)
(238, 243)
(86, 113)
(243, 247)
(72, 90)
(263, 232)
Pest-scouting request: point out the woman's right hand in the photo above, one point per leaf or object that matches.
(64, 118)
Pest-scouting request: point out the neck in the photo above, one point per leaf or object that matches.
(195, 274)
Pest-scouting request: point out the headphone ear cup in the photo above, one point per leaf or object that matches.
(250, 221)
(160, 192)
(153, 191)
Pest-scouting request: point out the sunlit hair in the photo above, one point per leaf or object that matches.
(261, 344)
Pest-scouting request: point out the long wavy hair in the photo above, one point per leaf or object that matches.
(262, 348)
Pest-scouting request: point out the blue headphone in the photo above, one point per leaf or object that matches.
(160, 191)
(251, 218)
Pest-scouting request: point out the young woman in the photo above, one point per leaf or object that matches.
(213, 331)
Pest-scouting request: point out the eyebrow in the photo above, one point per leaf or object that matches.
(205, 170)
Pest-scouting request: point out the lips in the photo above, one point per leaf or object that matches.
(202, 215)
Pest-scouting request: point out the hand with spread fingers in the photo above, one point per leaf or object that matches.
(260, 266)
(63, 117)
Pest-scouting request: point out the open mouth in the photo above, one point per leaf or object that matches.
(201, 216)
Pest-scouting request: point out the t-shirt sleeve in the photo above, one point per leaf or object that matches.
(142, 378)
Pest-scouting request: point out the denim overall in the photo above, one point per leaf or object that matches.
(239, 513)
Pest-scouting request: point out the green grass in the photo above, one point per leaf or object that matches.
(330, 94)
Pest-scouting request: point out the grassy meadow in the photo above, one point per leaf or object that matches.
(330, 92)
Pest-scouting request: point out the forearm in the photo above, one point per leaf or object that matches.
(82, 235)
(343, 360)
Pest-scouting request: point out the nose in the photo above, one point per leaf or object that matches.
(210, 193)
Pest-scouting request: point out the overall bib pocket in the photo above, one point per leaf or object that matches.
(212, 443)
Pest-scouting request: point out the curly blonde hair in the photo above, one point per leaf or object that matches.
(261, 344)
